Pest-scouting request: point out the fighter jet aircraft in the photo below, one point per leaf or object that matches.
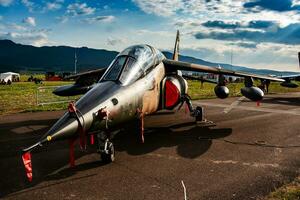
(140, 81)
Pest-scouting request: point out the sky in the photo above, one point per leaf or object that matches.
(262, 34)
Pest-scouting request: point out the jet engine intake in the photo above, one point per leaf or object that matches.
(174, 87)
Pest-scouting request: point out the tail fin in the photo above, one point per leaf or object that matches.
(176, 48)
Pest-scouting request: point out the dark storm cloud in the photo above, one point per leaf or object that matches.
(261, 24)
(235, 25)
(246, 45)
(275, 5)
(221, 24)
(287, 35)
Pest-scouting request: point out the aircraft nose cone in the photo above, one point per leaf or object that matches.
(66, 127)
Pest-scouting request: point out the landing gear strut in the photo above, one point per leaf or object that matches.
(106, 148)
(197, 113)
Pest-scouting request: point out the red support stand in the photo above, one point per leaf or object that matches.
(258, 103)
(92, 139)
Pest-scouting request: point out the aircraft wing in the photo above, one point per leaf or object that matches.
(294, 76)
(179, 65)
(199, 79)
(83, 83)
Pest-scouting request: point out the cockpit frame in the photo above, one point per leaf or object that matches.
(139, 60)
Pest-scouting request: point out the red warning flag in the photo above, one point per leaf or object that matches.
(27, 163)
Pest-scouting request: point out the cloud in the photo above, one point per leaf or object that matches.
(287, 35)
(159, 7)
(276, 5)
(114, 41)
(213, 10)
(222, 24)
(295, 3)
(63, 19)
(99, 19)
(32, 38)
(185, 23)
(29, 4)
(248, 45)
(29, 21)
(80, 9)
(53, 6)
(260, 24)
(6, 3)
(16, 27)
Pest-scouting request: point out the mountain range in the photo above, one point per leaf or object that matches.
(19, 57)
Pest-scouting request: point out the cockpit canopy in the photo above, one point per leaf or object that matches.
(132, 63)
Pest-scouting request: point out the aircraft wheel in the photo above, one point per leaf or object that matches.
(109, 155)
(199, 114)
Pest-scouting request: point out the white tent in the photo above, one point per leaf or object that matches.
(9, 76)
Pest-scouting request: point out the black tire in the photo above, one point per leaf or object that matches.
(199, 116)
(110, 157)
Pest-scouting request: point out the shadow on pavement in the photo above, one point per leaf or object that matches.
(185, 136)
(290, 101)
(48, 159)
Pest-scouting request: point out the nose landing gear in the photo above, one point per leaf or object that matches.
(106, 148)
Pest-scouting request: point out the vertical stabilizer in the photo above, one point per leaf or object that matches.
(176, 48)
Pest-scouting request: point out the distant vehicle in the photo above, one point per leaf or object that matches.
(35, 80)
(52, 76)
(8, 77)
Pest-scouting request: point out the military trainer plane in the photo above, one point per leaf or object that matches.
(139, 81)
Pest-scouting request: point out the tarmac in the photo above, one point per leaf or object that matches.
(249, 152)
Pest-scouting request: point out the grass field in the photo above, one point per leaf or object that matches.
(24, 96)
(289, 191)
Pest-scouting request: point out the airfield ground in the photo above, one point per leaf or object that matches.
(251, 152)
